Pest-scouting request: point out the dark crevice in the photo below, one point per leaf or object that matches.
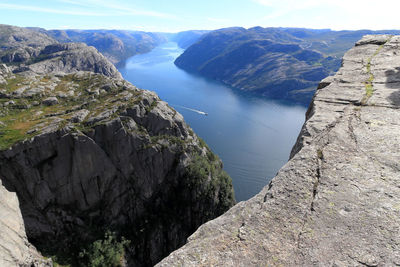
(238, 234)
(366, 264)
(84, 193)
(318, 177)
(48, 161)
(351, 128)
(268, 195)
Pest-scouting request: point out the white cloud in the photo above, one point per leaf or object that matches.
(334, 14)
(119, 8)
(111, 9)
(51, 10)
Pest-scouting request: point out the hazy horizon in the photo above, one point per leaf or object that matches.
(178, 15)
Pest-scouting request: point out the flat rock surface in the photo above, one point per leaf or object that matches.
(336, 202)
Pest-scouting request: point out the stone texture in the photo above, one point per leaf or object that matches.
(72, 57)
(336, 202)
(50, 101)
(15, 249)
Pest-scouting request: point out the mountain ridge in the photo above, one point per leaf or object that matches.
(284, 64)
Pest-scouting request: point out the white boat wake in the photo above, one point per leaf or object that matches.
(194, 110)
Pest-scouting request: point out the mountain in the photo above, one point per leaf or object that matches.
(279, 63)
(116, 45)
(56, 58)
(335, 203)
(187, 38)
(12, 37)
(93, 168)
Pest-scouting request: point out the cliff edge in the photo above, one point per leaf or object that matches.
(93, 167)
(336, 202)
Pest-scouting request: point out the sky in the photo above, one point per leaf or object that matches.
(180, 15)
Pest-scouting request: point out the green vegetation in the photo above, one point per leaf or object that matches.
(20, 116)
(108, 252)
(207, 177)
(171, 139)
(12, 84)
(16, 125)
(152, 106)
(320, 154)
(369, 88)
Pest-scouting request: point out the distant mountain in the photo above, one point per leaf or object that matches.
(116, 45)
(279, 63)
(27, 51)
(187, 38)
(13, 37)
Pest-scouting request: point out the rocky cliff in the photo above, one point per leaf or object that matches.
(336, 202)
(87, 153)
(15, 249)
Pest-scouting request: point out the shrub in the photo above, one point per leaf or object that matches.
(108, 252)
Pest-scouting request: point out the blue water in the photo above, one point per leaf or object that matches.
(253, 137)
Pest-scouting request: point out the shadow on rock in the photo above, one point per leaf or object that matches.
(393, 82)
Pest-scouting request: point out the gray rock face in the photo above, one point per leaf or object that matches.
(119, 160)
(65, 58)
(72, 57)
(15, 249)
(33, 52)
(12, 37)
(336, 202)
(50, 101)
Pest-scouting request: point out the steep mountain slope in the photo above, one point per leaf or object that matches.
(187, 38)
(336, 202)
(87, 153)
(270, 63)
(116, 45)
(280, 63)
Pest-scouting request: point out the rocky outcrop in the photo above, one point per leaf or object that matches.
(87, 154)
(15, 249)
(31, 52)
(72, 57)
(115, 45)
(336, 202)
(66, 58)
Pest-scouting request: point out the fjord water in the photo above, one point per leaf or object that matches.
(253, 137)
